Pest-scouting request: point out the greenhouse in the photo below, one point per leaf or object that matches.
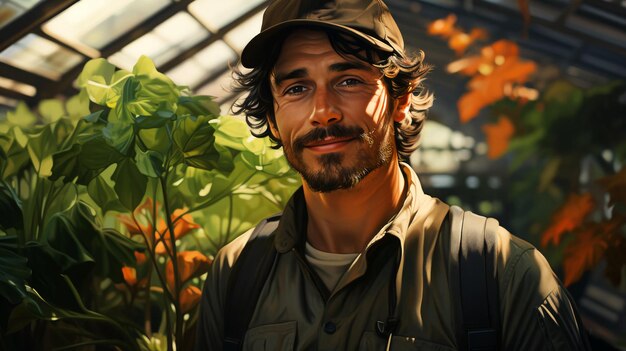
(312, 175)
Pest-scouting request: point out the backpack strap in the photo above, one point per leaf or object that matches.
(473, 240)
(246, 281)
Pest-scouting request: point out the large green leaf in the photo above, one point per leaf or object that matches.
(119, 131)
(197, 106)
(77, 106)
(51, 110)
(96, 154)
(16, 158)
(130, 184)
(14, 272)
(83, 162)
(195, 139)
(10, 207)
(103, 195)
(113, 251)
(149, 163)
(63, 233)
(156, 91)
(41, 145)
(156, 139)
(95, 68)
(21, 116)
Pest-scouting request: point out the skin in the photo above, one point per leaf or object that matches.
(315, 88)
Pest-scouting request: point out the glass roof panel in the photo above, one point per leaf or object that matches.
(41, 56)
(12, 9)
(216, 14)
(5, 101)
(92, 24)
(219, 87)
(167, 40)
(21, 88)
(241, 35)
(205, 63)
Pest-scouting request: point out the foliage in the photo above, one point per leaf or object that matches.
(111, 202)
(567, 153)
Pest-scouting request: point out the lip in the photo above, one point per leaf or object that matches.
(329, 144)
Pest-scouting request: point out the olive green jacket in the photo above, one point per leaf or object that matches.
(295, 310)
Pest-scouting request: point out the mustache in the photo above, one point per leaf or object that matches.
(335, 130)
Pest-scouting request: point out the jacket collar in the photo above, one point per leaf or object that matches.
(291, 231)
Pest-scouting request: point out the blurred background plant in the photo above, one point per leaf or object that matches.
(113, 203)
(565, 146)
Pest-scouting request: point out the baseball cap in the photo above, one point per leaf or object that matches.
(369, 20)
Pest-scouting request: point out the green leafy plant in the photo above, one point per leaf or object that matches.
(126, 191)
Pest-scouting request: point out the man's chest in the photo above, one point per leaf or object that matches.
(295, 313)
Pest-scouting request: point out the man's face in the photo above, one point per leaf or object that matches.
(332, 113)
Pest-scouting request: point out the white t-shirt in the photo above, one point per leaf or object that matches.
(329, 266)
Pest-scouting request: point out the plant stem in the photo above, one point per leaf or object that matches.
(174, 258)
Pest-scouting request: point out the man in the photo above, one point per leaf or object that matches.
(363, 255)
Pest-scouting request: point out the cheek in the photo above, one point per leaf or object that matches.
(377, 106)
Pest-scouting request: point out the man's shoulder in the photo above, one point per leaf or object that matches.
(521, 264)
(229, 253)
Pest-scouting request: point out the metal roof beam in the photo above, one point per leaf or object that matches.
(31, 20)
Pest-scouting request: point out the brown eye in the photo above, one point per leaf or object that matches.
(295, 90)
(350, 82)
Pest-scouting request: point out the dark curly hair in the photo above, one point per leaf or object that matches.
(402, 75)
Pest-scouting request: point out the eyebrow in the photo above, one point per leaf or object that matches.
(280, 77)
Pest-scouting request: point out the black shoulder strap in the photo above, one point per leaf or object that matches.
(246, 280)
(473, 240)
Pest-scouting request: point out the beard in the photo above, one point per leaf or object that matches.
(335, 171)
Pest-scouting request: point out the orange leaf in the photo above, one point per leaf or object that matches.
(503, 47)
(490, 56)
(442, 27)
(588, 248)
(190, 264)
(615, 185)
(569, 216)
(471, 103)
(189, 298)
(498, 136)
(459, 42)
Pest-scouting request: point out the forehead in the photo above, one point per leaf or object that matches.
(308, 46)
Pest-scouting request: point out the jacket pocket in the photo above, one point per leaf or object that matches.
(279, 337)
(372, 342)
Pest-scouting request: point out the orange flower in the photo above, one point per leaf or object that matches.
(141, 258)
(189, 298)
(569, 216)
(190, 264)
(130, 275)
(182, 227)
(498, 136)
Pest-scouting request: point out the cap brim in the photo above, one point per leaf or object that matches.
(254, 53)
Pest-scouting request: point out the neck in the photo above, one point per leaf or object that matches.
(344, 221)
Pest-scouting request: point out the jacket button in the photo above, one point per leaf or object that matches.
(330, 328)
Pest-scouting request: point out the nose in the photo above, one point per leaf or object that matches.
(325, 111)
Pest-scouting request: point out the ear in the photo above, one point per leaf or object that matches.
(273, 128)
(402, 109)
